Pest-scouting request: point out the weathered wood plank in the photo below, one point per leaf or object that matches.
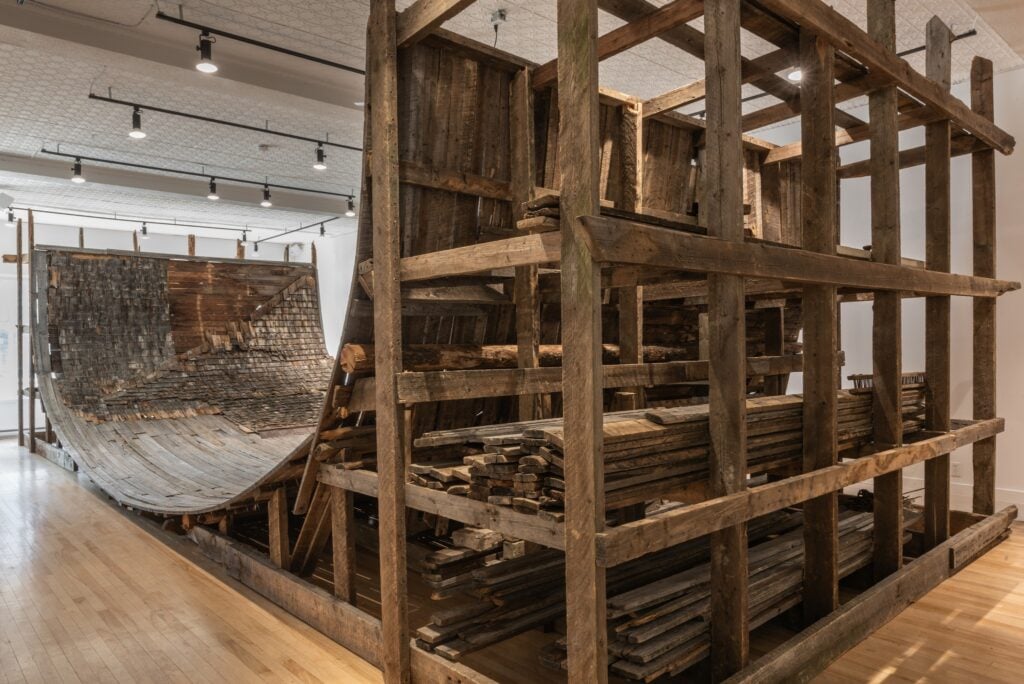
(277, 521)
(423, 16)
(983, 199)
(634, 539)
(886, 344)
(578, 140)
(621, 241)
(343, 545)
(382, 82)
(727, 422)
(821, 541)
(937, 309)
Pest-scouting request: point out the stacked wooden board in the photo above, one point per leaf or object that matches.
(648, 453)
(658, 605)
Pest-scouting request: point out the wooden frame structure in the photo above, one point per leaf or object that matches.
(589, 247)
(591, 251)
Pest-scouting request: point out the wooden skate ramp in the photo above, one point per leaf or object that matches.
(179, 385)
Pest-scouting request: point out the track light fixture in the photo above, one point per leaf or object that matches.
(145, 231)
(319, 164)
(351, 210)
(205, 49)
(256, 246)
(11, 224)
(323, 231)
(137, 131)
(266, 197)
(796, 75)
(76, 171)
(245, 236)
(212, 195)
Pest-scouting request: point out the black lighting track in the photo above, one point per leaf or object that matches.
(149, 167)
(259, 43)
(174, 224)
(221, 122)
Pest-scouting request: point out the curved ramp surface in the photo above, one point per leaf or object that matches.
(179, 385)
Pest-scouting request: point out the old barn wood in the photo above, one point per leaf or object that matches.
(635, 311)
(557, 431)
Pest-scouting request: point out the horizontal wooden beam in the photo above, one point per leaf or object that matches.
(625, 242)
(635, 539)
(454, 181)
(808, 653)
(477, 513)
(849, 38)
(423, 16)
(505, 382)
(960, 145)
(516, 251)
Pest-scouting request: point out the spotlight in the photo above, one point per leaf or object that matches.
(351, 211)
(137, 131)
(245, 236)
(76, 172)
(796, 75)
(212, 195)
(256, 247)
(319, 164)
(145, 231)
(266, 197)
(205, 49)
(11, 224)
(323, 231)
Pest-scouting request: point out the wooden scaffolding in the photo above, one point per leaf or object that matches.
(596, 252)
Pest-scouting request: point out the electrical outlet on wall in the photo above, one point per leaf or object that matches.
(954, 470)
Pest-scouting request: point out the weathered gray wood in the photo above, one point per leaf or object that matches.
(382, 77)
(983, 198)
(879, 57)
(727, 422)
(886, 345)
(33, 293)
(805, 655)
(19, 268)
(578, 140)
(631, 299)
(632, 540)
(821, 541)
(937, 311)
(621, 241)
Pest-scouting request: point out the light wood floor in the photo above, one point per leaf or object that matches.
(87, 596)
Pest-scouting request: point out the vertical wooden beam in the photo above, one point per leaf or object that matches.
(727, 353)
(939, 43)
(31, 334)
(312, 253)
(887, 335)
(630, 300)
(239, 249)
(821, 532)
(277, 519)
(525, 288)
(81, 237)
(135, 241)
(343, 536)
(191, 245)
(382, 81)
(578, 140)
(983, 193)
(21, 339)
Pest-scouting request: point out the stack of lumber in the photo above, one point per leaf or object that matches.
(658, 605)
(648, 454)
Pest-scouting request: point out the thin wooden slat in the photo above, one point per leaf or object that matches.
(587, 633)
(32, 361)
(886, 346)
(821, 541)
(277, 519)
(722, 211)
(620, 241)
(937, 309)
(21, 337)
(635, 539)
(879, 56)
(631, 299)
(983, 199)
(382, 77)
(343, 551)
